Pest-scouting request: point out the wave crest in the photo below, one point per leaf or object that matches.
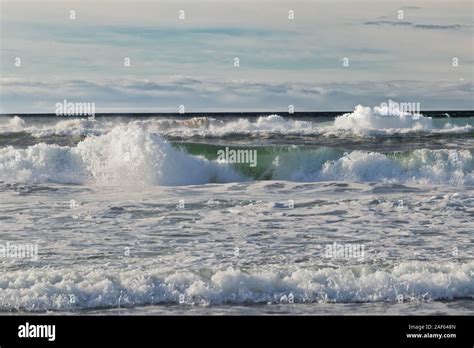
(130, 155)
(366, 119)
(363, 121)
(127, 155)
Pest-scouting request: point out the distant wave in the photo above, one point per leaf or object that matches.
(132, 155)
(380, 121)
(63, 127)
(38, 289)
(363, 121)
(367, 120)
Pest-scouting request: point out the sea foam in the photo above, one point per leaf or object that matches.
(127, 154)
(100, 287)
(130, 154)
(424, 166)
(363, 121)
(366, 119)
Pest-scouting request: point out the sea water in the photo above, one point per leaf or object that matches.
(139, 215)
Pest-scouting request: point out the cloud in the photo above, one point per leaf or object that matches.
(416, 26)
(281, 61)
(201, 95)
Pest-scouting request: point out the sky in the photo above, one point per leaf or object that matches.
(394, 50)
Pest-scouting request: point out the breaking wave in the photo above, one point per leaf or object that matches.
(82, 287)
(363, 121)
(451, 167)
(126, 155)
(131, 155)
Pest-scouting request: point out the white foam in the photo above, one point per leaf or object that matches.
(366, 119)
(421, 167)
(41, 163)
(64, 127)
(363, 121)
(131, 154)
(126, 155)
(265, 124)
(451, 167)
(69, 127)
(101, 287)
(12, 124)
(206, 126)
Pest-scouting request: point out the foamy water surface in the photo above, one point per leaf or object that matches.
(138, 216)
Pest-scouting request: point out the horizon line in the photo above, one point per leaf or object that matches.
(213, 112)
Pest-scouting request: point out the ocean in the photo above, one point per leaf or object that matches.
(337, 213)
